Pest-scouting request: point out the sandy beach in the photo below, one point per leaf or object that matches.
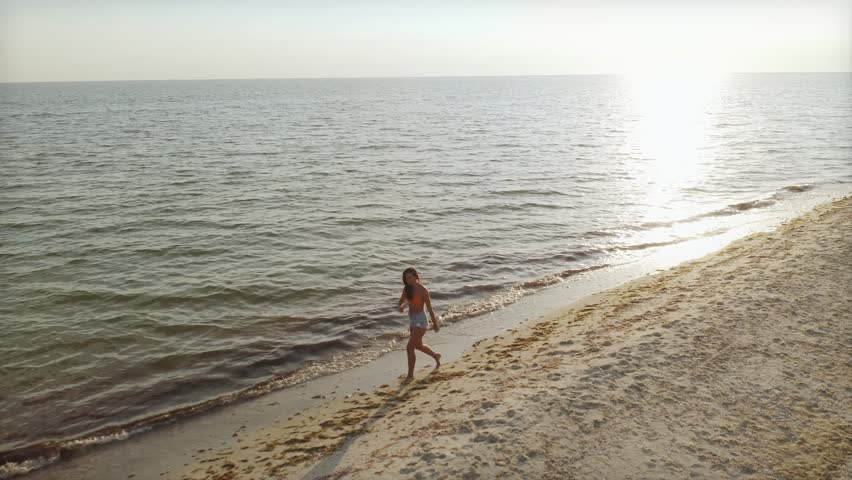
(735, 365)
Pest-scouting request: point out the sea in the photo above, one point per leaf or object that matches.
(168, 247)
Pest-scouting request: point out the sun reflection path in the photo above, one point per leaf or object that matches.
(667, 144)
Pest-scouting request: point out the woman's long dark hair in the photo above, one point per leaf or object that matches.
(409, 289)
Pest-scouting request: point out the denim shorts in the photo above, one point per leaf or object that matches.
(418, 320)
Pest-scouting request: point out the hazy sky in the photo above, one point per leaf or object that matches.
(42, 40)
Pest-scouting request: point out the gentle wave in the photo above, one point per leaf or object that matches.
(645, 246)
(506, 295)
(195, 297)
(734, 208)
(499, 208)
(498, 260)
(525, 192)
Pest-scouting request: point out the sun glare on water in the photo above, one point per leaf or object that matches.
(670, 125)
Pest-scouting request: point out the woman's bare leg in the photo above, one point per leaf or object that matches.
(419, 345)
(409, 349)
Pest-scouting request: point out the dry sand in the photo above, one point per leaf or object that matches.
(736, 365)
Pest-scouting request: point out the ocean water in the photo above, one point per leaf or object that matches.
(167, 247)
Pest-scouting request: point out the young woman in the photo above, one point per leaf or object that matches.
(416, 296)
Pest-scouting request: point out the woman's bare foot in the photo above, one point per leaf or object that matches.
(408, 379)
(437, 360)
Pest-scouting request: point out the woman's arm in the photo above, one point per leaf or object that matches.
(402, 301)
(428, 300)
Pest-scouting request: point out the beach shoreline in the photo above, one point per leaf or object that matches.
(734, 365)
(146, 320)
(358, 401)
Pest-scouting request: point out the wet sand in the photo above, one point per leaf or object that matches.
(735, 365)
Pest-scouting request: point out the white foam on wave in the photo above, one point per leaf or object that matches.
(97, 440)
(12, 469)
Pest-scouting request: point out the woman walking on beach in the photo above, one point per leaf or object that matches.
(416, 295)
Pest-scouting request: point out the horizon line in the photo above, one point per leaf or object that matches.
(410, 77)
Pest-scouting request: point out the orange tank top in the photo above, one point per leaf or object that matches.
(416, 302)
